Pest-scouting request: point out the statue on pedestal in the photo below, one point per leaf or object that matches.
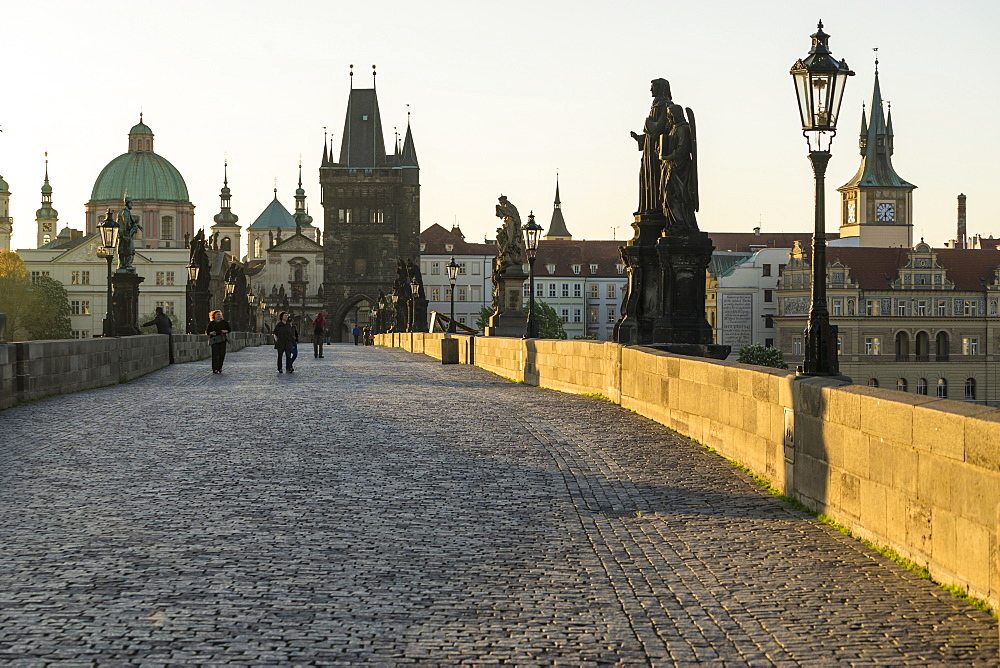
(128, 227)
(510, 242)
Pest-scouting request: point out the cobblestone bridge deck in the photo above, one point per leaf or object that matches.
(378, 506)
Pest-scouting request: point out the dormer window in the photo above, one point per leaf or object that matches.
(423, 247)
(447, 247)
(576, 269)
(593, 269)
(621, 268)
(551, 268)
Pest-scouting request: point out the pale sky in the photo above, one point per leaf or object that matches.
(501, 97)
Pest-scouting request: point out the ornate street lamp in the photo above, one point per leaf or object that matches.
(109, 237)
(819, 86)
(192, 270)
(532, 232)
(452, 268)
(415, 287)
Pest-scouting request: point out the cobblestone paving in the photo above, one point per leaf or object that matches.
(379, 507)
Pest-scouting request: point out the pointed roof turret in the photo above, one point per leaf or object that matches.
(408, 158)
(302, 217)
(225, 217)
(557, 227)
(876, 148)
(363, 144)
(46, 212)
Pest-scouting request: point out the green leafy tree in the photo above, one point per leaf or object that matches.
(49, 315)
(485, 313)
(15, 294)
(550, 324)
(762, 356)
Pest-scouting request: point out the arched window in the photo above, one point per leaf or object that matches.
(873, 382)
(941, 347)
(901, 385)
(942, 388)
(902, 346)
(226, 244)
(923, 347)
(922, 386)
(257, 247)
(970, 389)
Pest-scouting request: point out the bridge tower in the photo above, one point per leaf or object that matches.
(371, 213)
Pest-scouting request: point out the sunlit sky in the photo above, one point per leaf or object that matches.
(501, 97)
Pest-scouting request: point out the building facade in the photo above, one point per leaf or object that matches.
(918, 320)
(371, 214)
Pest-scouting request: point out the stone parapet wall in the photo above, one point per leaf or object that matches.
(33, 369)
(913, 473)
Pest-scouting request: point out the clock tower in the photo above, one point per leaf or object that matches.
(876, 206)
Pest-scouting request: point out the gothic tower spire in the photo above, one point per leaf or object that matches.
(225, 220)
(46, 217)
(557, 226)
(876, 205)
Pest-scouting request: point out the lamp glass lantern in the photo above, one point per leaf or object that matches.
(819, 87)
(415, 287)
(230, 289)
(109, 232)
(192, 270)
(452, 268)
(532, 235)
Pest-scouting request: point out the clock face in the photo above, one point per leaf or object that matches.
(885, 211)
(852, 211)
(923, 262)
(46, 227)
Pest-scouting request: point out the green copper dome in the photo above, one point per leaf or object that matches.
(144, 174)
(4, 188)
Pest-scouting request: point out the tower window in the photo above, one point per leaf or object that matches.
(167, 227)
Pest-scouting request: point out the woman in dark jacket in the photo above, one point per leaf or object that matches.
(284, 341)
(217, 331)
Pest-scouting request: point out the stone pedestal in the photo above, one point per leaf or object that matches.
(198, 313)
(643, 296)
(125, 302)
(510, 318)
(683, 259)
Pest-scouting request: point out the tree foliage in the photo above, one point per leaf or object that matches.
(15, 296)
(34, 310)
(49, 316)
(760, 355)
(550, 324)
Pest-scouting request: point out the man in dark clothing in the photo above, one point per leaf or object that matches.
(163, 326)
(356, 332)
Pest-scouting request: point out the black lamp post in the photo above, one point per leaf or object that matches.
(532, 232)
(452, 268)
(819, 86)
(192, 270)
(415, 288)
(109, 236)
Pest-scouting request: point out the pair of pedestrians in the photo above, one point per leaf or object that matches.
(286, 342)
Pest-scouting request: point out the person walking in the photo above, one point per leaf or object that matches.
(367, 334)
(356, 332)
(164, 326)
(319, 325)
(284, 341)
(295, 339)
(217, 330)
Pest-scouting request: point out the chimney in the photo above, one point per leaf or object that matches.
(756, 231)
(961, 240)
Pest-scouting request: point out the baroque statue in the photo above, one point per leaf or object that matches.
(510, 243)
(668, 176)
(128, 227)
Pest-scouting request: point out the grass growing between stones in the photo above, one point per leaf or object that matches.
(892, 555)
(597, 395)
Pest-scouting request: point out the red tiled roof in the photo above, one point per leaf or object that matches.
(869, 266)
(749, 241)
(564, 254)
(435, 237)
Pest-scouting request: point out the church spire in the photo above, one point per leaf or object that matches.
(225, 217)
(557, 226)
(302, 217)
(46, 217)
